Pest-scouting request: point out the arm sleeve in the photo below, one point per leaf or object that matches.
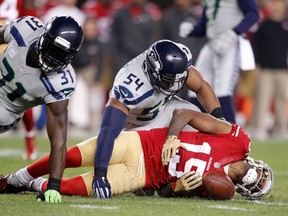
(199, 29)
(112, 124)
(251, 15)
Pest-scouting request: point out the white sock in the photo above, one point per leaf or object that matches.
(36, 184)
(20, 178)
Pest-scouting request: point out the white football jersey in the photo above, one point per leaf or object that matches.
(132, 88)
(22, 86)
(217, 13)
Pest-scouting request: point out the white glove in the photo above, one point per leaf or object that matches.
(185, 29)
(221, 44)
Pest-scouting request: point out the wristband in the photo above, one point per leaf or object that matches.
(99, 172)
(217, 113)
(54, 184)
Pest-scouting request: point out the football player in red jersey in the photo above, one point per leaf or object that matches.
(10, 10)
(139, 160)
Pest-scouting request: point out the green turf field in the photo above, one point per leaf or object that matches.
(273, 152)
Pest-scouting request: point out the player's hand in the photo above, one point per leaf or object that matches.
(51, 196)
(221, 44)
(169, 149)
(185, 29)
(189, 181)
(100, 185)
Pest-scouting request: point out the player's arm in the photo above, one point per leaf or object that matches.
(202, 122)
(204, 92)
(113, 121)
(251, 15)
(57, 132)
(183, 187)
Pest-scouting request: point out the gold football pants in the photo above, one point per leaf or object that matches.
(126, 170)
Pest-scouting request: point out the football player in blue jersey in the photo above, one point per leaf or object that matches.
(35, 69)
(227, 51)
(143, 96)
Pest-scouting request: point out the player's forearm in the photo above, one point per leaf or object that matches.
(57, 154)
(57, 160)
(112, 123)
(178, 122)
(251, 15)
(57, 133)
(208, 98)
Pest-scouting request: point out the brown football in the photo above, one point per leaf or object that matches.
(218, 186)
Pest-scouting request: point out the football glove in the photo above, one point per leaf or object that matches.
(51, 196)
(221, 44)
(187, 182)
(169, 149)
(100, 185)
(185, 29)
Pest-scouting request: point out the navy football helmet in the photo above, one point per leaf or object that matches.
(166, 66)
(61, 39)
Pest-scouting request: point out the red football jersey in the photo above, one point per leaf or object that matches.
(203, 153)
(12, 9)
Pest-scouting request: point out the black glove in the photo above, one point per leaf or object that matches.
(101, 186)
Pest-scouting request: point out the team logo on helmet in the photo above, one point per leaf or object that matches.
(155, 60)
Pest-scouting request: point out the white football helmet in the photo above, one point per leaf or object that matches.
(257, 182)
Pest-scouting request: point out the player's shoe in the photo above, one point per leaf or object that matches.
(6, 188)
(31, 150)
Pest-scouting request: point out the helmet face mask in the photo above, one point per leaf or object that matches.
(166, 65)
(257, 182)
(58, 44)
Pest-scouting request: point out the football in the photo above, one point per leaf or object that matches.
(217, 186)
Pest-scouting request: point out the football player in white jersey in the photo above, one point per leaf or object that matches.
(35, 69)
(143, 96)
(9, 11)
(227, 51)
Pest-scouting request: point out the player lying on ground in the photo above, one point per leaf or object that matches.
(136, 160)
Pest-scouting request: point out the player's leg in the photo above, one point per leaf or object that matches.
(80, 155)
(123, 179)
(226, 76)
(76, 156)
(30, 136)
(126, 170)
(69, 186)
(281, 80)
(261, 105)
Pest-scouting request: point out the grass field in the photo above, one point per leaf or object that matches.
(276, 203)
